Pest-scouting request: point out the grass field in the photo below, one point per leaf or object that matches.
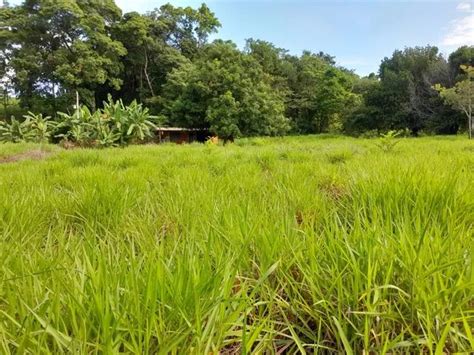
(301, 244)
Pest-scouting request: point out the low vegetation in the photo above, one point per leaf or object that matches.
(266, 245)
(114, 125)
(282, 245)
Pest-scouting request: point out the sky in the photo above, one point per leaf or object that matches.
(358, 33)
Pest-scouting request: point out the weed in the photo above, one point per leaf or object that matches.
(388, 141)
(339, 157)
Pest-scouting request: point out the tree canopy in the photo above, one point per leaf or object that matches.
(229, 90)
(164, 60)
(404, 96)
(460, 96)
(55, 48)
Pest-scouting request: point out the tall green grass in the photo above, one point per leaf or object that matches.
(263, 246)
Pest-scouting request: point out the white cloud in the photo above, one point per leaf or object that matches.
(460, 32)
(464, 6)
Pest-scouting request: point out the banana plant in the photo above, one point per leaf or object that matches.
(139, 126)
(117, 115)
(15, 131)
(40, 128)
(115, 124)
(78, 127)
(108, 137)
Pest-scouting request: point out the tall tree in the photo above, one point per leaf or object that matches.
(364, 115)
(157, 42)
(405, 97)
(186, 29)
(227, 91)
(56, 48)
(461, 96)
(320, 93)
(462, 56)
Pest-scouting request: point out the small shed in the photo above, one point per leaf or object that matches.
(180, 135)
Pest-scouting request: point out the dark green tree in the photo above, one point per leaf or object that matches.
(462, 56)
(321, 93)
(224, 90)
(156, 43)
(405, 98)
(56, 48)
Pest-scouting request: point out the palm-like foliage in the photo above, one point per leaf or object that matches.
(139, 124)
(77, 127)
(388, 141)
(35, 128)
(115, 124)
(15, 131)
(39, 128)
(117, 115)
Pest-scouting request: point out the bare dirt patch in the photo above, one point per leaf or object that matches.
(36, 154)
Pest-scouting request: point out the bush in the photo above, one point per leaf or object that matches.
(40, 128)
(35, 128)
(15, 131)
(388, 141)
(115, 124)
(12, 108)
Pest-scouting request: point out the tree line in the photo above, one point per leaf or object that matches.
(163, 59)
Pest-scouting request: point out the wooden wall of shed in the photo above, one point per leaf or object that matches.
(181, 137)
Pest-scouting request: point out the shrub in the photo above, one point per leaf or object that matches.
(39, 128)
(116, 124)
(15, 131)
(81, 127)
(388, 141)
(35, 128)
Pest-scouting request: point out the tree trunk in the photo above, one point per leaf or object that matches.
(77, 105)
(145, 70)
(470, 127)
(470, 113)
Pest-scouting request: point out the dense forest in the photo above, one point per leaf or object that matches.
(165, 60)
